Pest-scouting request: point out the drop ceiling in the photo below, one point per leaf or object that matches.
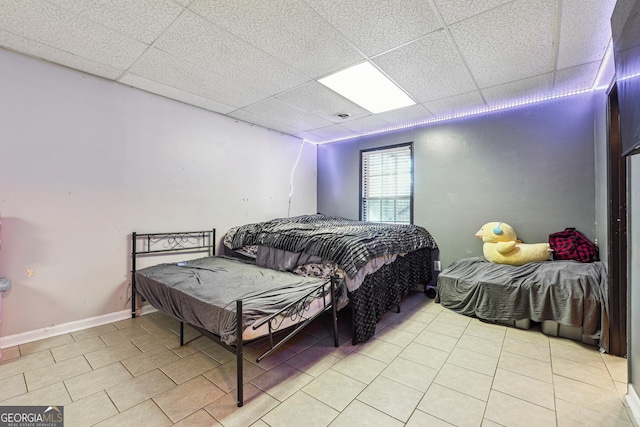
(259, 60)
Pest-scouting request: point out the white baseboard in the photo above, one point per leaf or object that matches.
(65, 328)
(634, 403)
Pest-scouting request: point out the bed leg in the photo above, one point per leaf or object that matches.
(181, 334)
(334, 312)
(239, 374)
(133, 274)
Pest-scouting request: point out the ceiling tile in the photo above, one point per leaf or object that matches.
(173, 93)
(287, 29)
(253, 118)
(456, 10)
(171, 71)
(306, 135)
(143, 20)
(412, 114)
(532, 88)
(33, 48)
(576, 78)
(364, 125)
(427, 69)
(460, 103)
(510, 42)
(374, 26)
(317, 99)
(197, 40)
(584, 35)
(57, 28)
(332, 132)
(275, 109)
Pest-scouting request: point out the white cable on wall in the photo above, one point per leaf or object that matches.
(291, 179)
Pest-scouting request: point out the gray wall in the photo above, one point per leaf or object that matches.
(532, 167)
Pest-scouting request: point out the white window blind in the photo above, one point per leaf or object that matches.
(387, 185)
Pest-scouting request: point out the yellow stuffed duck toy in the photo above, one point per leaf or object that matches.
(502, 246)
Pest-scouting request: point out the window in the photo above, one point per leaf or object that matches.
(386, 188)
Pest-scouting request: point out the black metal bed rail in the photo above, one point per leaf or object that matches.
(301, 304)
(172, 242)
(297, 309)
(204, 241)
(175, 241)
(238, 348)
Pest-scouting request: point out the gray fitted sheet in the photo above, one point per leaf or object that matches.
(203, 292)
(568, 292)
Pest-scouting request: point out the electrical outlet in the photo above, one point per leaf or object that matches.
(436, 265)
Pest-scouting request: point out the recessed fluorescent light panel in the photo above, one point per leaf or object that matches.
(365, 85)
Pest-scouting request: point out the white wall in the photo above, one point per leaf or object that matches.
(84, 162)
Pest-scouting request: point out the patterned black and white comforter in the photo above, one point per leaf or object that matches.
(348, 243)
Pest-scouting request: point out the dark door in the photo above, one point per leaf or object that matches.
(617, 217)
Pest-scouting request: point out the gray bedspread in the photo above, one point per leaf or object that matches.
(350, 244)
(203, 292)
(568, 292)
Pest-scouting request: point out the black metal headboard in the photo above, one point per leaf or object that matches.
(150, 244)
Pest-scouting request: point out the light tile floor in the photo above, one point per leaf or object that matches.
(426, 366)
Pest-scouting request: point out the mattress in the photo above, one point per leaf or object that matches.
(203, 292)
(350, 244)
(570, 293)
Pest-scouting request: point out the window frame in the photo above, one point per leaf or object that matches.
(362, 177)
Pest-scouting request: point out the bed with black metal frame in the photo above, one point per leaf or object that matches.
(380, 262)
(278, 325)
